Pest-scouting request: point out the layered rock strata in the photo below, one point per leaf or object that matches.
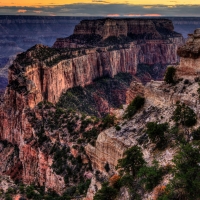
(190, 56)
(160, 103)
(43, 74)
(93, 32)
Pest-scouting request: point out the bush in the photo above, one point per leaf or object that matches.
(156, 131)
(150, 176)
(186, 182)
(118, 128)
(132, 161)
(108, 121)
(196, 134)
(169, 75)
(184, 115)
(134, 106)
(83, 187)
(106, 193)
(8, 197)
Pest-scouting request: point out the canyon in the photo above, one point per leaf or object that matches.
(19, 33)
(36, 128)
(42, 65)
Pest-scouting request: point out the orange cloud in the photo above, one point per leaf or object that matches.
(133, 15)
(113, 15)
(147, 7)
(152, 15)
(38, 11)
(22, 11)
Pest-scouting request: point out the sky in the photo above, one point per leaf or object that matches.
(120, 8)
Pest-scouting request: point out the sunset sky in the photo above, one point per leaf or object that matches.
(101, 7)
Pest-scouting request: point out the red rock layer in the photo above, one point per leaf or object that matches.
(33, 82)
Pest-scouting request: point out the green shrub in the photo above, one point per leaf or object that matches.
(108, 121)
(169, 75)
(150, 176)
(132, 161)
(134, 106)
(83, 187)
(8, 197)
(196, 134)
(186, 182)
(126, 180)
(184, 115)
(118, 128)
(106, 193)
(21, 189)
(156, 132)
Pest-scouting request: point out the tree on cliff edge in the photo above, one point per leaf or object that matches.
(169, 75)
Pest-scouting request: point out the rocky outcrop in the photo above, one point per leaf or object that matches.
(160, 104)
(192, 47)
(111, 150)
(43, 74)
(190, 57)
(136, 88)
(118, 27)
(93, 32)
(42, 81)
(160, 96)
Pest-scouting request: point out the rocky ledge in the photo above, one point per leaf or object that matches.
(192, 48)
(190, 56)
(104, 32)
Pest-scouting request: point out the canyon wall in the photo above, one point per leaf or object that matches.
(82, 70)
(159, 95)
(161, 99)
(117, 27)
(190, 57)
(18, 33)
(43, 74)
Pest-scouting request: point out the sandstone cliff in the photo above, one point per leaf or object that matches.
(190, 53)
(95, 32)
(160, 103)
(43, 74)
(42, 65)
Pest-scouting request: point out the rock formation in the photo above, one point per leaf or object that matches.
(160, 103)
(103, 29)
(26, 31)
(43, 74)
(190, 56)
(43, 65)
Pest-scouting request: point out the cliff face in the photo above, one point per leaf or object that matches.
(151, 42)
(160, 103)
(82, 70)
(26, 31)
(109, 27)
(159, 95)
(190, 56)
(43, 74)
(42, 65)
(113, 31)
(19, 33)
